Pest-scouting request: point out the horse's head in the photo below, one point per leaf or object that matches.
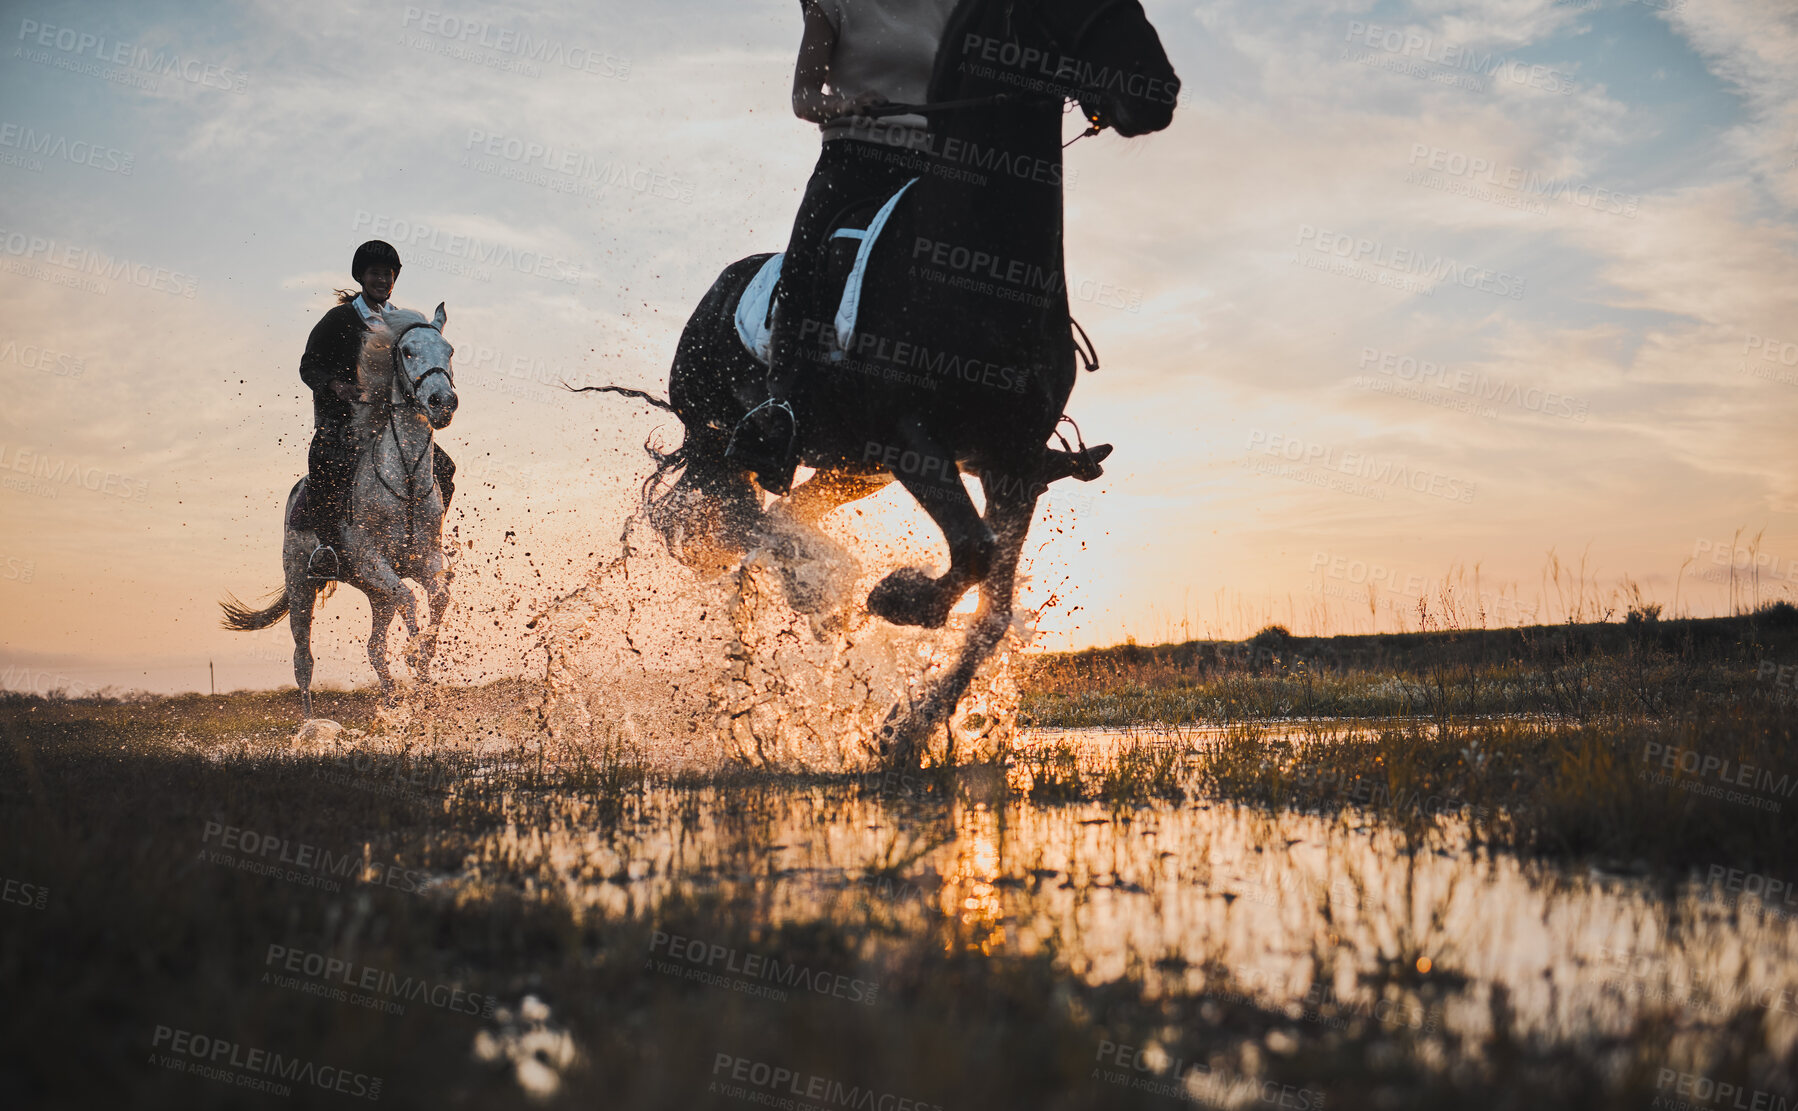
(421, 362)
(1103, 53)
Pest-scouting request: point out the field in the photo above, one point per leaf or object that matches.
(1547, 867)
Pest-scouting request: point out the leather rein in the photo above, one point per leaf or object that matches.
(410, 497)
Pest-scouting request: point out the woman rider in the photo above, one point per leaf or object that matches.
(854, 55)
(329, 367)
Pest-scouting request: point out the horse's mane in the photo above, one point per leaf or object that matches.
(374, 367)
(945, 74)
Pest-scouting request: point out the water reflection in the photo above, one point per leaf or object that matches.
(1339, 920)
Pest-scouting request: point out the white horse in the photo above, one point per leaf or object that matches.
(394, 528)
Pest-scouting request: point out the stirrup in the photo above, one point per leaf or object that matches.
(773, 466)
(323, 563)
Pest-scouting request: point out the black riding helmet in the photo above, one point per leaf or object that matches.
(374, 253)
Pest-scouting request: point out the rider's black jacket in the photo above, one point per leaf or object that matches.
(331, 353)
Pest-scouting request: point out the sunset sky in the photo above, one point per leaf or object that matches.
(1404, 290)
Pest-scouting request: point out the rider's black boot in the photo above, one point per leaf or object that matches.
(766, 440)
(323, 563)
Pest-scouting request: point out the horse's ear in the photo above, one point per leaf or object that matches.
(438, 320)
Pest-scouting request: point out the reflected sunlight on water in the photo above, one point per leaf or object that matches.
(1319, 917)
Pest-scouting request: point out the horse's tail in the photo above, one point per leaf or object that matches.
(626, 391)
(240, 618)
(656, 487)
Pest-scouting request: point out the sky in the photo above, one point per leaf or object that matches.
(1494, 297)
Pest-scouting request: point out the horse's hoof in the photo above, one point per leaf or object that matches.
(908, 596)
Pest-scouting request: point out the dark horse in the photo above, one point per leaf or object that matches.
(948, 372)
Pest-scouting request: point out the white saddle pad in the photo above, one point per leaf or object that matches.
(755, 308)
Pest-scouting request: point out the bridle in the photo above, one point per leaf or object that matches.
(410, 390)
(399, 361)
(1095, 123)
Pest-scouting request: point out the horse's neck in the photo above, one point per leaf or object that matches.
(1018, 209)
(402, 443)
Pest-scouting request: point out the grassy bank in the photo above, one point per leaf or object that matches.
(116, 810)
(1645, 666)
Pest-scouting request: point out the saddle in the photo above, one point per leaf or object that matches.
(296, 504)
(847, 250)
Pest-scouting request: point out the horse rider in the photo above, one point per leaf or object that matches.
(329, 368)
(854, 55)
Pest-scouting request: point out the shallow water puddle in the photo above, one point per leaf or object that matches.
(1327, 919)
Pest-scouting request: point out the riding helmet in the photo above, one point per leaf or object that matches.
(374, 253)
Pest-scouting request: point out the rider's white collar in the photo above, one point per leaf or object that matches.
(367, 314)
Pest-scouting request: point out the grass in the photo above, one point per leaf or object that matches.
(547, 887)
(1572, 671)
(139, 934)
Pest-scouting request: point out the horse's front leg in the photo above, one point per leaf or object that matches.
(436, 584)
(381, 608)
(302, 594)
(1009, 509)
(909, 596)
(386, 596)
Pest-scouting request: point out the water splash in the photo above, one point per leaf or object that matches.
(775, 663)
